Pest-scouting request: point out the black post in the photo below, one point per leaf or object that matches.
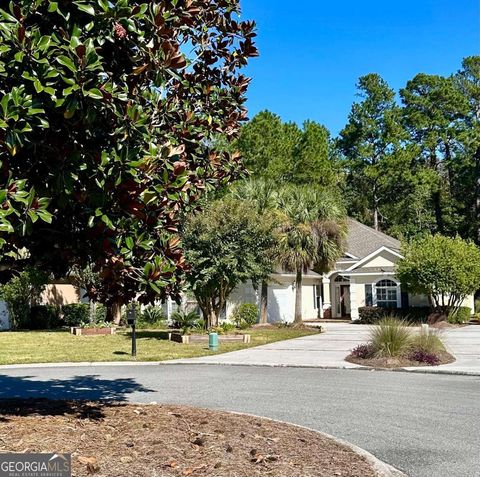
(131, 320)
(134, 340)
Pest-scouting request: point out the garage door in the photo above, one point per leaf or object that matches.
(280, 303)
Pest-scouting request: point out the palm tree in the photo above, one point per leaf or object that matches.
(312, 234)
(264, 194)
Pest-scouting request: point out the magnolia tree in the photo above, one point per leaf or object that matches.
(445, 269)
(108, 117)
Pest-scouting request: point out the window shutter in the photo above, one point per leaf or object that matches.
(368, 295)
(405, 303)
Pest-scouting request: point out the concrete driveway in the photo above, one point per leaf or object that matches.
(329, 349)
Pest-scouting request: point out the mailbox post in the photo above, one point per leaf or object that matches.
(131, 320)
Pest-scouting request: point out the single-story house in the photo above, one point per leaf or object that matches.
(363, 276)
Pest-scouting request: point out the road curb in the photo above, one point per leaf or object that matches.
(120, 364)
(381, 468)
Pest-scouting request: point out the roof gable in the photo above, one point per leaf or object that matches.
(362, 240)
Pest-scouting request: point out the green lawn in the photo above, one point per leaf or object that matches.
(61, 346)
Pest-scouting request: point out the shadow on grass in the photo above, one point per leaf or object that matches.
(150, 334)
(23, 396)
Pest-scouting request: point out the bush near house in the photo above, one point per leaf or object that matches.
(245, 315)
(43, 317)
(460, 316)
(370, 315)
(76, 314)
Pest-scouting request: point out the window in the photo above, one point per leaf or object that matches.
(386, 294)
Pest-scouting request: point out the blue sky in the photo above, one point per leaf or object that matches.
(313, 51)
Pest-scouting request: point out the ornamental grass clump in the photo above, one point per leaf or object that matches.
(427, 342)
(391, 338)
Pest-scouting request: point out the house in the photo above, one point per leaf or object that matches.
(363, 276)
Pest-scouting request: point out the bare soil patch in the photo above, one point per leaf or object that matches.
(119, 440)
(444, 357)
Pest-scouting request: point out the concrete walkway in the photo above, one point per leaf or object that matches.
(329, 349)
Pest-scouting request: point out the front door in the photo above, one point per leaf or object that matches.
(345, 300)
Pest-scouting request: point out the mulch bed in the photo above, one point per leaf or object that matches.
(118, 440)
(445, 358)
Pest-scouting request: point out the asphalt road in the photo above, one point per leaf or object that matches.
(425, 425)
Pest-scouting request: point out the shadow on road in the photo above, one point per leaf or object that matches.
(22, 395)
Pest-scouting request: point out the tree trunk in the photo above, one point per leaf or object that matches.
(376, 225)
(264, 303)
(212, 321)
(93, 307)
(114, 313)
(298, 297)
(437, 205)
(477, 195)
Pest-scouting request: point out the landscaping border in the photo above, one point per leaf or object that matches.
(381, 468)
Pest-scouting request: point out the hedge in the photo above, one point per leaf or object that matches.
(43, 317)
(75, 314)
(372, 314)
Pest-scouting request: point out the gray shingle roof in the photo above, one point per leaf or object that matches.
(363, 240)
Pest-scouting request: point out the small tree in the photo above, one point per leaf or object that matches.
(445, 269)
(226, 244)
(20, 293)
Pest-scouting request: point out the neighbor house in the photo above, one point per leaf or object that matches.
(363, 276)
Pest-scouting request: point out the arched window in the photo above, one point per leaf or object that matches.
(387, 294)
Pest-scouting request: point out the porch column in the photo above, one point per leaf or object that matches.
(327, 300)
(354, 314)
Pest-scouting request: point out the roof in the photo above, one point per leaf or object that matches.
(362, 240)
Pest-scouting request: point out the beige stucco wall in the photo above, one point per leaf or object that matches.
(309, 311)
(384, 259)
(61, 294)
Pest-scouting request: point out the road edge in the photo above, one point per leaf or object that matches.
(92, 364)
(381, 468)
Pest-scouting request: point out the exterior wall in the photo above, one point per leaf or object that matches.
(61, 294)
(309, 307)
(383, 259)
(281, 299)
(244, 293)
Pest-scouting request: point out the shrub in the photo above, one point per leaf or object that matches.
(427, 341)
(76, 314)
(363, 351)
(391, 337)
(370, 315)
(227, 327)
(152, 317)
(186, 321)
(43, 317)
(462, 315)
(100, 313)
(424, 357)
(245, 315)
(20, 293)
